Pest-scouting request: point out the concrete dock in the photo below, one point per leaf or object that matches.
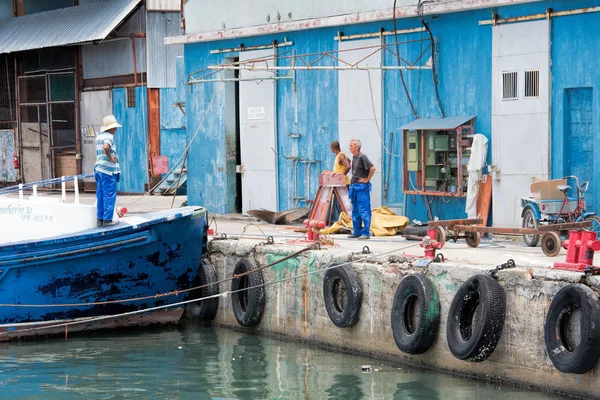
(295, 307)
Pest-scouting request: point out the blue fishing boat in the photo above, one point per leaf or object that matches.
(97, 277)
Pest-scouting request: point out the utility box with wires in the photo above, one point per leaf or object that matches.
(437, 154)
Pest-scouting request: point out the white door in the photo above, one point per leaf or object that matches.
(520, 114)
(359, 106)
(258, 136)
(94, 107)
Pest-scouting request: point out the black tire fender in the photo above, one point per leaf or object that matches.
(476, 319)
(415, 332)
(248, 294)
(342, 293)
(565, 356)
(204, 310)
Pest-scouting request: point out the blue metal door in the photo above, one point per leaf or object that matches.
(579, 143)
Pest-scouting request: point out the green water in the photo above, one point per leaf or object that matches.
(192, 362)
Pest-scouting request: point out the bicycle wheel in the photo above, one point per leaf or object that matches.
(595, 223)
(530, 221)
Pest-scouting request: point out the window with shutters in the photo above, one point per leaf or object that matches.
(532, 84)
(510, 86)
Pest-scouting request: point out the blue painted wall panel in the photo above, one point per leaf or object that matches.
(575, 137)
(465, 75)
(132, 140)
(172, 127)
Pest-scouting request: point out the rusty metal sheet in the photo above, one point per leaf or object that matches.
(153, 123)
(279, 218)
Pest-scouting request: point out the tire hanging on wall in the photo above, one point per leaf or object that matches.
(476, 319)
(248, 305)
(567, 356)
(342, 293)
(204, 310)
(415, 314)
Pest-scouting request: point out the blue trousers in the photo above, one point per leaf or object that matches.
(106, 195)
(360, 196)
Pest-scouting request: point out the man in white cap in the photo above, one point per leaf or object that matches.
(106, 172)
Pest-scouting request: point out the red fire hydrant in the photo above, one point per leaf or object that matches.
(430, 243)
(580, 246)
(313, 227)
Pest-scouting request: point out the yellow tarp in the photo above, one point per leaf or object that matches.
(383, 223)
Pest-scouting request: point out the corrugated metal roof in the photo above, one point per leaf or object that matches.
(163, 5)
(65, 26)
(161, 58)
(437, 123)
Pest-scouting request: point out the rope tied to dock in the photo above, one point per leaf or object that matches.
(184, 302)
(171, 293)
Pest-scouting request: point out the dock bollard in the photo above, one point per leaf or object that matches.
(580, 246)
(313, 226)
(430, 243)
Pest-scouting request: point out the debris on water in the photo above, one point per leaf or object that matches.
(180, 347)
(366, 368)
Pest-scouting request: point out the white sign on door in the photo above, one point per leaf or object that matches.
(256, 113)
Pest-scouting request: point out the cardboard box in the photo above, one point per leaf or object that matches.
(546, 190)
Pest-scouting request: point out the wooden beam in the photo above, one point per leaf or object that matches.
(523, 231)
(565, 226)
(451, 222)
(18, 8)
(153, 127)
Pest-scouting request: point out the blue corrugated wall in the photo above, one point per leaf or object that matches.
(465, 75)
(172, 127)
(576, 80)
(132, 140)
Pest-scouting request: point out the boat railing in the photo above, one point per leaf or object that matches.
(33, 186)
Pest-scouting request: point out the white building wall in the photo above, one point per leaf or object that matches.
(520, 127)
(207, 16)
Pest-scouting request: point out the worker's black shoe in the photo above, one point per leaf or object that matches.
(110, 223)
(353, 236)
(99, 223)
(364, 237)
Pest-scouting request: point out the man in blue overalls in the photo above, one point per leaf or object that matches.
(106, 172)
(360, 191)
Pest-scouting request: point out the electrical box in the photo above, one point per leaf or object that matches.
(413, 152)
(446, 146)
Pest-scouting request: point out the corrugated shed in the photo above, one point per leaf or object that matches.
(163, 5)
(114, 58)
(65, 26)
(132, 140)
(162, 58)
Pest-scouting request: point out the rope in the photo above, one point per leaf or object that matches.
(224, 294)
(184, 151)
(172, 293)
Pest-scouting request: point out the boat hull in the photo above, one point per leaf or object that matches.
(102, 272)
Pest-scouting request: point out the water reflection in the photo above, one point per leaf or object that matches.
(250, 369)
(416, 390)
(348, 387)
(194, 362)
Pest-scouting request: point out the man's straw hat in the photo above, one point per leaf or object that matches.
(109, 122)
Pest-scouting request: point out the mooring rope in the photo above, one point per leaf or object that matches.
(171, 293)
(224, 294)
